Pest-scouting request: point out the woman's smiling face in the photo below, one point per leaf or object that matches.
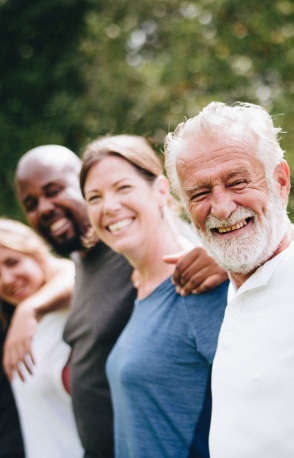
(21, 275)
(123, 206)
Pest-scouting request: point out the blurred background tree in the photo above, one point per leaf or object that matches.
(72, 70)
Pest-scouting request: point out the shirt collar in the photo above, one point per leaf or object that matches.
(262, 275)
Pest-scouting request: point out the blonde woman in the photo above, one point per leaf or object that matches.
(160, 366)
(43, 403)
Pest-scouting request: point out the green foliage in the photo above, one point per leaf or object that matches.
(72, 70)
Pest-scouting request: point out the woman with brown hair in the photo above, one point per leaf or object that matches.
(160, 366)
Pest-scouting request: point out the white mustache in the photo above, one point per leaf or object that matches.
(241, 213)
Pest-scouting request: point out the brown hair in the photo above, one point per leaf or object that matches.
(134, 149)
(138, 152)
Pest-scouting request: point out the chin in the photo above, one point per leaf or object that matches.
(67, 247)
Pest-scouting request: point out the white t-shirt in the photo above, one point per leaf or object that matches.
(44, 406)
(253, 370)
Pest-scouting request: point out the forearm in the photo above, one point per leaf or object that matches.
(56, 293)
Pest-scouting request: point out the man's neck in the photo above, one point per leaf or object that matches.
(240, 278)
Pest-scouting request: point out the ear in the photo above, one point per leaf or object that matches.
(282, 177)
(163, 190)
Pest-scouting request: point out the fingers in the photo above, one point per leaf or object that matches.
(211, 282)
(188, 268)
(23, 368)
(196, 286)
(17, 351)
(197, 272)
(18, 359)
(174, 258)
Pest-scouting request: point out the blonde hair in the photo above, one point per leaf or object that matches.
(18, 237)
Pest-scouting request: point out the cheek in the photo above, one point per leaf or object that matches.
(35, 275)
(33, 220)
(198, 214)
(37, 282)
(255, 201)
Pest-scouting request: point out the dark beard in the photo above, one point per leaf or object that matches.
(68, 246)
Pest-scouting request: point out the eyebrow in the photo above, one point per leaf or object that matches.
(241, 171)
(51, 183)
(44, 188)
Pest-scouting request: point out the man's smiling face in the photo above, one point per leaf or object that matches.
(229, 201)
(50, 195)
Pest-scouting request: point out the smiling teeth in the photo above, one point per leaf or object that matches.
(58, 224)
(223, 230)
(119, 225)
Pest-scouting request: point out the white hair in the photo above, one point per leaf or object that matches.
(239, 120)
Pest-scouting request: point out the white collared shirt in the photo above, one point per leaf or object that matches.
(253, 370)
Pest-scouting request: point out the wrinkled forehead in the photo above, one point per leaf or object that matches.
(216, 144)
(222, 156)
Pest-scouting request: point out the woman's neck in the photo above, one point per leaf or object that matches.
(151, 270)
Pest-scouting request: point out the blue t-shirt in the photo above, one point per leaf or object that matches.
(159, 372)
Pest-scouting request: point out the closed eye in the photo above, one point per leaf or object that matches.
(93, 198)
(51, 192)
(238, 184)
(11, 262)
(198, 196)
(124, 187)
(30, 205)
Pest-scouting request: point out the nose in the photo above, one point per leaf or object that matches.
(222, 204)
(45, 206)
(111, 203)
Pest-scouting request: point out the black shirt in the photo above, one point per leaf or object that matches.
(11, 444)
(102, 304)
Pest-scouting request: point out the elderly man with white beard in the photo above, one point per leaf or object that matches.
(227, 165)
